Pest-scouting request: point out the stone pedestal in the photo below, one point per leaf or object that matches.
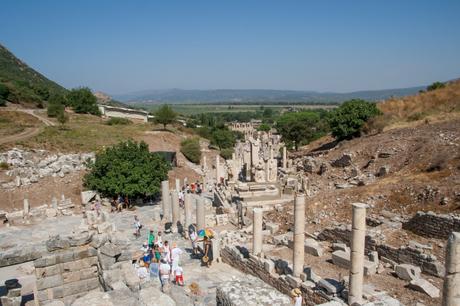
(451, 291)
(257, 231)
(355, 295)
(187, 211)
(284, 158)
(165, 200)
(200, 213)
(299, 234)
(175, 211)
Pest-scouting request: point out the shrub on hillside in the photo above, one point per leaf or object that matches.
(127, 169)
(83, 101)
(223, 138)
(348, 120)
(118, 121)
(165, 115)
(435, 85)
(4, 92)
(190, 147)
(226, 153)
(55, 105)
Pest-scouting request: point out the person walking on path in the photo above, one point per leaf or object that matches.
(175, 256)
(151, 239)
(165, 270)
(137, 227)
(193, 238)
(208, 255)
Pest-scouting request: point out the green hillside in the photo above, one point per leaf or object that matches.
(26, 86)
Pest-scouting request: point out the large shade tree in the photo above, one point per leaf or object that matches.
(83, 101)
(127, 169)
(300, 128)
(348, 120)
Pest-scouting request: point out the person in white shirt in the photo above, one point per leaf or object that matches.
(193, 239)
(159, 240)
(167, 252)
(165, 270)
(142, 272)
(175, 256)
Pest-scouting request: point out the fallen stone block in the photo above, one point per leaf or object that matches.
(110, 249)
(331, 286)
(407, 272)
(312, 276)
(106, 262)
(342, 259)
(269, 266)
(57, 243)
(293, 281)
(424, 286)
(87, 196)
(340, 247)
(272, 227)
(312, 247)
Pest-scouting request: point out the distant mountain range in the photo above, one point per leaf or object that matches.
(183, 96)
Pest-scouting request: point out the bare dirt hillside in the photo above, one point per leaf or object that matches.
(412, 165)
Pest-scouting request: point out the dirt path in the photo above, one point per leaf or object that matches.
(28, 132)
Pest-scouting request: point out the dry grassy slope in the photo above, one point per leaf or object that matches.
(444, 100)
(424, 161)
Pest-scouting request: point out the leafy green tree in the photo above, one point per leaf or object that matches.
(83, 101)
(348, 120)
(165, 115)
(223, 138)
(190, 147)
(127, 169)
(300, 128)
(62, 117)
(435, 85)
(264, 127)
(55, 105)
(226, 153)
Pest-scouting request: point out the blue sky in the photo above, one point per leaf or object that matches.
(126, 46)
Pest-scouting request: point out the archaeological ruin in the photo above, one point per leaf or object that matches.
(267, 239)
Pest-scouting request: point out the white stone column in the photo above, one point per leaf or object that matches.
(175, 210)
(355, 294)
(200, 213)
(218, 175)
(165, 200)
(205, 166)
(451, 291)
(267, 171)
(26, 207)
(257, 231)
(178, 185)
(299, 234)
(284, 157)
(187, 211)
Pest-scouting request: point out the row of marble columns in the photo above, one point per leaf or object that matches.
(171, 210)
(451, 292)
